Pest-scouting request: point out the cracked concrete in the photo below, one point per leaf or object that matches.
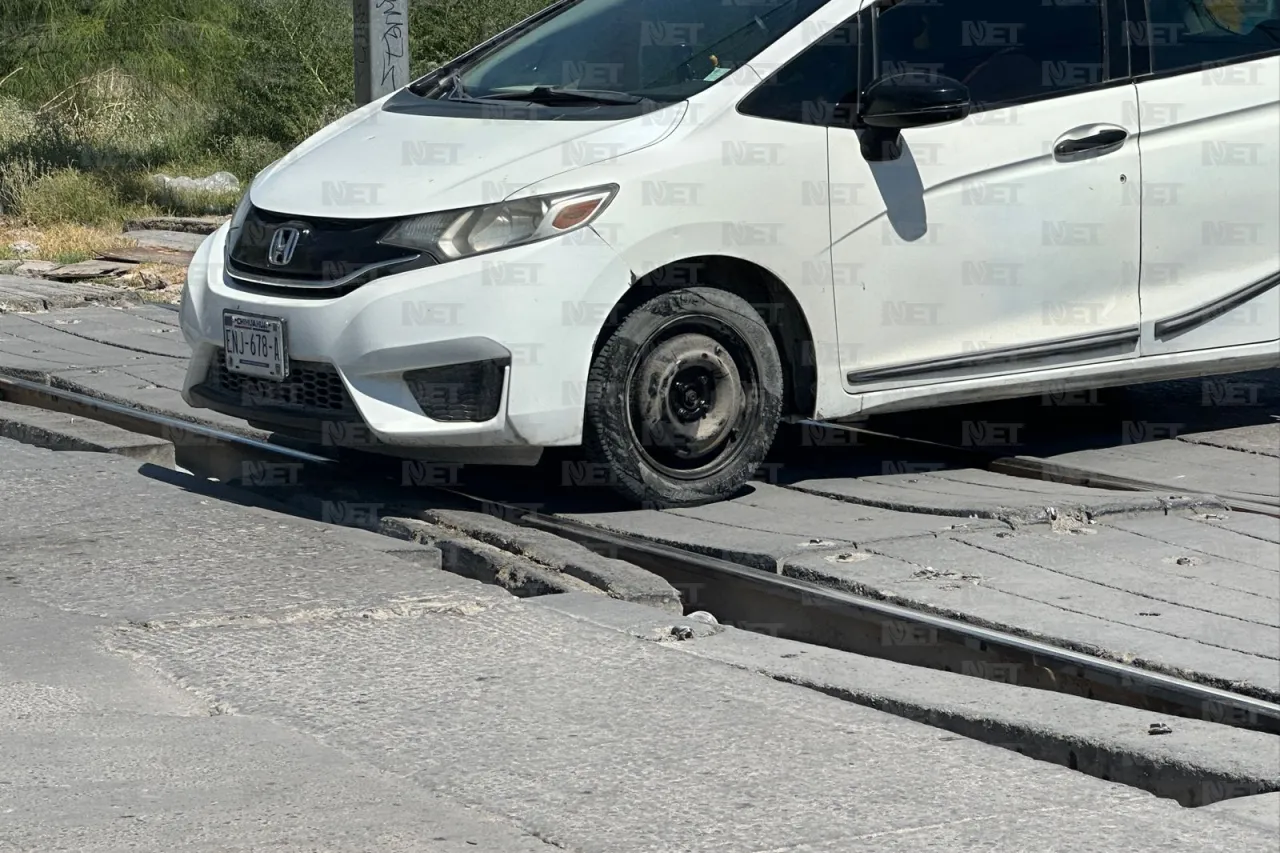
(1108, 591)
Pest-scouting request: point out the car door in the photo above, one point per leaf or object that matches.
(1209, 134)
(1006, 242)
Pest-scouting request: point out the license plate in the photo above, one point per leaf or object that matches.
(255, 346)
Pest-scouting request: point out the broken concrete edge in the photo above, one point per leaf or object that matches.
(469, 558)
(1199, 763)
(1125, 503)
(40, 305)
(54, 430)
(618, 578)
(843, 584)
(528, 562)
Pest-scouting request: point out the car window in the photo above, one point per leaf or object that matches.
(810, 88)
(662, 49)
(1198, 33)
(1002, 50)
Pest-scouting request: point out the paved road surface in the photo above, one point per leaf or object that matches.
(180, 672)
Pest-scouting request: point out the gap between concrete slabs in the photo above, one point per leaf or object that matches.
(1196, 764)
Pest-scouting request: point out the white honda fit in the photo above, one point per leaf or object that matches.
(657, 228)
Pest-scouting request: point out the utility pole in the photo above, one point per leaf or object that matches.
(381, 47)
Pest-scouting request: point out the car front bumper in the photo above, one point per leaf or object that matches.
(527, 315)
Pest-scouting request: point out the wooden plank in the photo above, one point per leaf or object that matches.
(142, 255)
(181, 241)
(88, 269)
(188, 224)
(22, 294)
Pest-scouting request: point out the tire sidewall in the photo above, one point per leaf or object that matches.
(608, 426)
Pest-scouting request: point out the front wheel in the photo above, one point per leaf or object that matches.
(684, 398)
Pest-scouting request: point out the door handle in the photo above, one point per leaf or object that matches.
(1099, 140)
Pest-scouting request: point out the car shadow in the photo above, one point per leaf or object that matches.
(365, 486)
(1045, 425)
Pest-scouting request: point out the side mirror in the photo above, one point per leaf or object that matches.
(900, 101)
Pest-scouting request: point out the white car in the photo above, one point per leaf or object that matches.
(657, 228)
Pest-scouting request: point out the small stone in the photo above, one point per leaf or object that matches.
(682, 632)
(704, 616)
(1159, 729)
(24, 247)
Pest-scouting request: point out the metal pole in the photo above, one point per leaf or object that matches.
(381, 47)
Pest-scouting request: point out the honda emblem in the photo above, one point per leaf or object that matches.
(283, 242)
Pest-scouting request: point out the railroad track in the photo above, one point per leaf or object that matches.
(801, 610)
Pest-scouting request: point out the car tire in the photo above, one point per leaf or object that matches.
(683, 399)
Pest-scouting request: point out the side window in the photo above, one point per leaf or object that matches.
(809, 88)
(1004, 51)
(1188, 34)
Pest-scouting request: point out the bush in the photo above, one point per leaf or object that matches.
(68, 195)
(95, 97)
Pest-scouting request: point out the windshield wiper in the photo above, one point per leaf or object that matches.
(551, 94)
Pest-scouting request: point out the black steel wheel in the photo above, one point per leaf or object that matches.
(684, 398)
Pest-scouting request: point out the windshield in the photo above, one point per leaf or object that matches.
(664, 50)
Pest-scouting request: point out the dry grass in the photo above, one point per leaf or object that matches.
(69, 243)
(63, 243)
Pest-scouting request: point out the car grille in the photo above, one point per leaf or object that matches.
(470, 392)
(329, 252)
(312, 389)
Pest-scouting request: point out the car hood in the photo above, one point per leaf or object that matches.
(372, 164)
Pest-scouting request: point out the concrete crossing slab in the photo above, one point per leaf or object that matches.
(1201, 466)
(935, 533)
(114, 327)
(1108, 591)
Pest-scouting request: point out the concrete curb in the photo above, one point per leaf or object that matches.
(58, 431)
(1198, 763)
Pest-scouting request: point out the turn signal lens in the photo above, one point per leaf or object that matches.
(575, 214)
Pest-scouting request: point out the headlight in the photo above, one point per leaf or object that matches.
(237, 222)
(242, 211)
(456, 234)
